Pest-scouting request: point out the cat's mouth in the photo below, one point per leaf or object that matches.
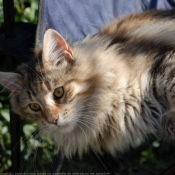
(64, 128)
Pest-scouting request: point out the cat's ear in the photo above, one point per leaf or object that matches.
(11, 81)
(56, 49)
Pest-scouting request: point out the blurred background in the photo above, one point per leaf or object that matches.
(38, 154)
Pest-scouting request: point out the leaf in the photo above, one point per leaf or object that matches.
(1, 105)
(27, 13)
(29, 129)
(156, 144)
(35, 143)
(4, 130)
(5, 114)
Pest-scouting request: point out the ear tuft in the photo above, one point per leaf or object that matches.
(56, 49)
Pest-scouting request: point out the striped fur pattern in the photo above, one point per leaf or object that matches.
(103, 92)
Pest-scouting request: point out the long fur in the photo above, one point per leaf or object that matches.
(118, 84)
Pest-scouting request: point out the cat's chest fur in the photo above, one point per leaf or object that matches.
(126, 108)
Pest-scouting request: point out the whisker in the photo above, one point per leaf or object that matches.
(35, 134)
(82, 131)
(88, 120)
(4, 90)
(40, 69)
(23, 139)
(23, 159)
(49, 158)
(85, 125)
(34, 160)
(11, 82)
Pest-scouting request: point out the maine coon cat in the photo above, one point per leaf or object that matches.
(102, 92)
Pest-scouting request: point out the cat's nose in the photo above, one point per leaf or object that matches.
(53, 120)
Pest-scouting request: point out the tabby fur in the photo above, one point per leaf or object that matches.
(118, 85)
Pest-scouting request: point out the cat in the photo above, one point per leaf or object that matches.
(103, 92)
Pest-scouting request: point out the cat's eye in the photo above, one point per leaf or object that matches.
(59, 92)
(35, 107)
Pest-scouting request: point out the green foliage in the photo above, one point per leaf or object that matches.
(26, 10)
(5, 161)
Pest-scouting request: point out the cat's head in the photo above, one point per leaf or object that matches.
(58, 93)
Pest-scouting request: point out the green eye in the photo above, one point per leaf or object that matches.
(35, 107)
(59, 92)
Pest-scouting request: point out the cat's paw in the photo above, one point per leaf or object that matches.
(168, 125)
